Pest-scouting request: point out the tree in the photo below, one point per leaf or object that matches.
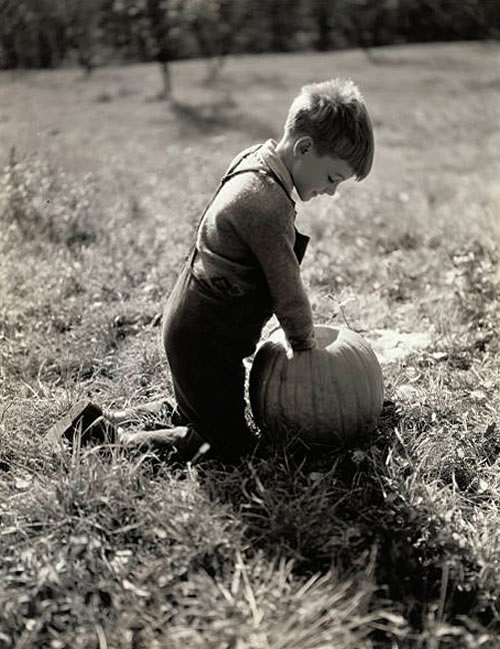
(33, 33)
(283, 19)
(84, 27)
(163, 21)
(370, 23)
(155, 24)
(320, 12)
(215, 26)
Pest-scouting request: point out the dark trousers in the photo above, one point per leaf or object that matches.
(206, 337)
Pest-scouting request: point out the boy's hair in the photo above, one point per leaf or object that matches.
(334, 114)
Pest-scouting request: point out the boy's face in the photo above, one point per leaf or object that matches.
(314, 175)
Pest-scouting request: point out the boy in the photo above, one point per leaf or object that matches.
(245, 266)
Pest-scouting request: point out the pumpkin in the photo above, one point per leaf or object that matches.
(331, 395)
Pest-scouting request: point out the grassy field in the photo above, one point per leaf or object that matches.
(393, 545)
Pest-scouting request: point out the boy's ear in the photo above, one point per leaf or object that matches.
(303, 145)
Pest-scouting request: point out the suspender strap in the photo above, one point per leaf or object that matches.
(226, 177)
(232, 171)
(263, 170)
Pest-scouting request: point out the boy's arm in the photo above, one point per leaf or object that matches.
(270, 235)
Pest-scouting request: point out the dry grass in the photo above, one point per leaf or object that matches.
(395, 544)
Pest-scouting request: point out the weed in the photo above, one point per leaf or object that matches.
(41, 204)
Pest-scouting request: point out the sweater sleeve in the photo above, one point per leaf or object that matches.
(270, 234)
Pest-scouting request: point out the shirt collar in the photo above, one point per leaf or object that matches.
(270, 157)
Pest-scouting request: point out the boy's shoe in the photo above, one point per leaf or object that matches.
(83, 424)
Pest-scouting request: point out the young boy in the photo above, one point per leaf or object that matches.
(245, 265)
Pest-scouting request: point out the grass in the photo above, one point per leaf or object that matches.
(394, 544)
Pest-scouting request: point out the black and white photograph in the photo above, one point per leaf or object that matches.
(249, 324)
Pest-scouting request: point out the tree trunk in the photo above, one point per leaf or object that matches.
(167, 82)
(322, 19)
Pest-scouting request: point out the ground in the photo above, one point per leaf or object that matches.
(392, 544)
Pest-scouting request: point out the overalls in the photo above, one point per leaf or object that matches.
(206, 336)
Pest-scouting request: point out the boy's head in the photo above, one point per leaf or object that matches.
(332, 116)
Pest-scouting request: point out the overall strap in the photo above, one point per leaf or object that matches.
(231, 172)
(226, 177)
(263, 170)
(241, 157)
(301, 240)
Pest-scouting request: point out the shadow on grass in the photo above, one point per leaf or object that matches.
(354, 511)
(218, 116)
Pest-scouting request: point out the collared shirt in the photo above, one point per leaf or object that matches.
(245, 242)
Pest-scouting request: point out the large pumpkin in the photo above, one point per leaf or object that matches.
(330, 395)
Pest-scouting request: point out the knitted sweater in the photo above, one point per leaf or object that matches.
(249, 230)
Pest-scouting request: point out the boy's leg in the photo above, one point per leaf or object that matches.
(205, 340)
(181, 440)
(210, 396)
(154, 413)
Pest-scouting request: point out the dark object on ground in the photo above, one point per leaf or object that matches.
(84, 423)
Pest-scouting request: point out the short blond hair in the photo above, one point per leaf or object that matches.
(334, 114)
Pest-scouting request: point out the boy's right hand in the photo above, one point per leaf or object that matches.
(304, 346)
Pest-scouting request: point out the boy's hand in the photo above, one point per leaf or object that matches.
(305, 345)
